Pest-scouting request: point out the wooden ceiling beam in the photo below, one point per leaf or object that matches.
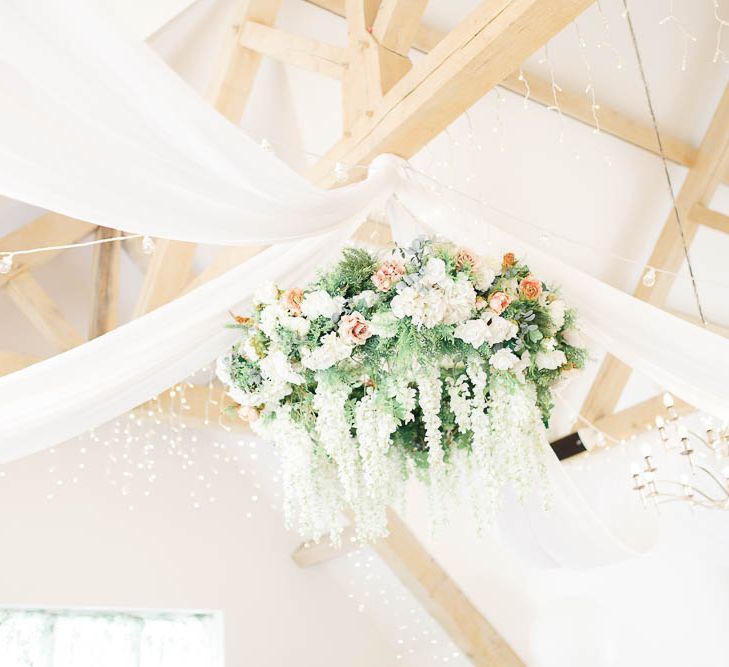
(295, 50)
(170, 268)
(397, 23)
(636, 419)
(49, 229)
(105, 284)
(698, 188)
(481, 51)
(701, 215)
(573, 103)
(14, 361)
(42, 311)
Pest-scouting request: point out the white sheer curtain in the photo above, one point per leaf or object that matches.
(99, 128)
(56, 638)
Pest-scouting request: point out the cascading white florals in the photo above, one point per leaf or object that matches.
(429, 361)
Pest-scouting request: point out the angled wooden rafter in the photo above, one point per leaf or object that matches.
(572, 103)
(14, 361)
(42, 311)
(699, 187)
(295, 50)
(475, 56)
(170, 268)
(50, 229)
(105, 284)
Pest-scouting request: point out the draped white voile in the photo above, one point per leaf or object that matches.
(99, 128)
(687, 360)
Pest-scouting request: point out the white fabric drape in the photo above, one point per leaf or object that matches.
(99, 128)
(687, 360)
(73, 392)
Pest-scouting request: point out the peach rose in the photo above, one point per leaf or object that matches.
(508, 261)
(390, 272)
(481, 303)
(531, 287)
(354, 329)
(499, 301)
(464, 257)
(247, 413)
(293, 299)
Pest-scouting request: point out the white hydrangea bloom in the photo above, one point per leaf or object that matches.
(266, 293)
(474, 332)
(500, 329)
(548, 358)
(321, 304)
(270, 317)
(269, 393)
(368, 297)
(557, 310)
(276, 366)
(484, 278)
(434, 272)
(504, 360)
(461, 300)
(300, 325)
(573, 337)
(331, 350)
(427, 307)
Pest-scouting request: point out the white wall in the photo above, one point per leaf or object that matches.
(85, 547)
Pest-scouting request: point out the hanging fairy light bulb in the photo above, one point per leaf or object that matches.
(147, 245)
(649, 277)
(340, 172)
(6, 263)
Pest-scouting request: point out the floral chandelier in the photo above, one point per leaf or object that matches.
(427, 362)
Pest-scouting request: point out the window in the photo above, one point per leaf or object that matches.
(32, 637)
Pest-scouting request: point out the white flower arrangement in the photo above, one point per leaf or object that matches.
(429, 361)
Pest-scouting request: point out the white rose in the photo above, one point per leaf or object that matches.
(270, 317)
(298, 324)
(434, 272)
(573, 337)
(265, 293)
(461, 300)
(474, 332)
(504, 359)
(276, 367)
(368, 297)
(556, 311)
(500, 329)
(321, 304)
(550, 360)
(402, 303)
(429, 308)
(331, 350)
(485, 277)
